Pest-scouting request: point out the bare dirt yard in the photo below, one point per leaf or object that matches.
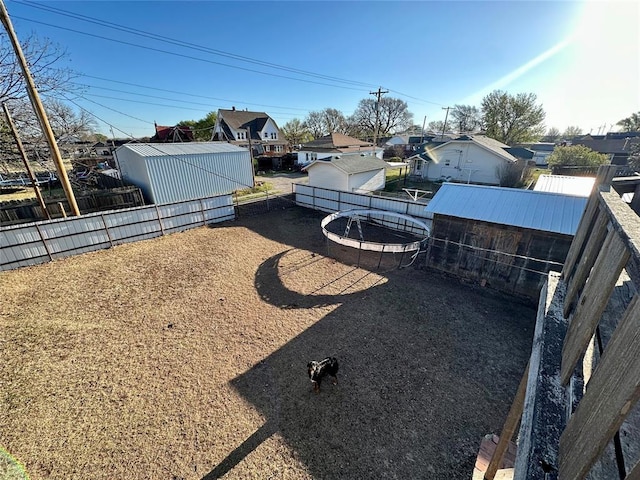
(184, 357)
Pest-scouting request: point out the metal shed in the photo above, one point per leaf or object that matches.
(173, 172)
(505, 238)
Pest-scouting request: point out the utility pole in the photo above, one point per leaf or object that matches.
(34, 182)
(444, 127)
(39, 109)
(422, 132)
(378, 95)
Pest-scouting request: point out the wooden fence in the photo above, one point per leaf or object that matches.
(40, 242)
(579, 415)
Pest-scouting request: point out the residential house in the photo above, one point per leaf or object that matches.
(177, 133)
(464, 158)
(617, 145)
(332, 145)
(541, 151)
(348, 173)
(255, 129)
(408, 143)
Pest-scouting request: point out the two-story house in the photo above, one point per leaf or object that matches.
(244, 128)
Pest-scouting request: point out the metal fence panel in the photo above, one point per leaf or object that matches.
(39, 242)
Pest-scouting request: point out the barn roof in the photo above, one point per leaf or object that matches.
(549, 212)
(579, 186)
(187, 148)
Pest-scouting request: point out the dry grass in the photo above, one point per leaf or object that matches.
(184, 357)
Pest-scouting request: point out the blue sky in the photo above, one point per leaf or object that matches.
(582, 59)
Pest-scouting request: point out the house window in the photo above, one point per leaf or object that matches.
(266, 135)
(419, 163)
(307, 157)
(273, 136)
(447, 163)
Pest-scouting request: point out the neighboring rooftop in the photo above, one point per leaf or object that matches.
(335, 141)
(550, 212)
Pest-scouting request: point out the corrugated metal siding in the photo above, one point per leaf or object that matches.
(169, 173)
(35, 243)
(334, 201)
(543, 211)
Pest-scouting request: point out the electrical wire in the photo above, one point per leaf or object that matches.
(182, 93)
(189, 45)
(190, 57)
(209, 50)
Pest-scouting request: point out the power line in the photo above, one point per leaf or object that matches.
(189, 45)
(188, 94)
(205, 49)
(208, 105)
(182, 55)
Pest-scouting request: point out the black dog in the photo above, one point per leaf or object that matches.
(319, 370)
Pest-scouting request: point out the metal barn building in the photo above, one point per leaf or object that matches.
(174, 172)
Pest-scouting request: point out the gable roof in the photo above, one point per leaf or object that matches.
(351, 164)
(241, 120)
(336, 141)
(549, 212)
(494, 146)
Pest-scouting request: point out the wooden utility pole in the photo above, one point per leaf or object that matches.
(39, 109)
(34, 182)
(446, 117)
(378, 95)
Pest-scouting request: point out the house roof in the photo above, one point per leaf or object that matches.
(578, 186)
(539, 147)
(335, 141)
(179, 133)
(520, 152)
(351, 164)
(240, 120)
(549, 212)
(187, 148)
(487, 143)
(616, 143)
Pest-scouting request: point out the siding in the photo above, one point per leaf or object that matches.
(167, 175)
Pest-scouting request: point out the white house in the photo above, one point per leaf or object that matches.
(349, 173)
(467, 159)
(236, 126)
(335, 144)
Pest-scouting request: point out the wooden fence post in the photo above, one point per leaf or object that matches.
(44, 242)
(106, 229)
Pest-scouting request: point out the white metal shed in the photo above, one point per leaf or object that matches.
(173, 172)
(349, 173)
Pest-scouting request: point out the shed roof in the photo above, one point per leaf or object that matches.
(578, 186)
(187, 148)
(549, 212)
(351, 164)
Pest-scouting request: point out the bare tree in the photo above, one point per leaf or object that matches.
(552, 135)
(295, 132)
(466, 118)
(392, 115)
(572, 131)
(436, 126)
(46, 63)
(325, 122)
